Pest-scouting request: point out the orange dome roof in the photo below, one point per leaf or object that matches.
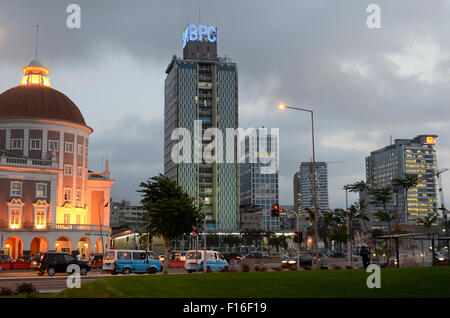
(35, 101)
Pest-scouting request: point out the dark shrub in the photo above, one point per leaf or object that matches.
(245, 268)
(5, 291)
(26, 288)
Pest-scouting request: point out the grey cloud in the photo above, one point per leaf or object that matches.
(289, 51)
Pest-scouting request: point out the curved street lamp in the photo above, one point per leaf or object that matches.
(100, 219)
(283, 106)
(204, 231)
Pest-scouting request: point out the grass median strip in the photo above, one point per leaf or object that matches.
(407, 282)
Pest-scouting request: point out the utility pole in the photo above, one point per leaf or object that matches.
(349, 239)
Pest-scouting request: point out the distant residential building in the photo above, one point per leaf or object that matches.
(413, 157)
(251, 218)
(126, 216)
(303, 186)
(258, 184)
(288, 222)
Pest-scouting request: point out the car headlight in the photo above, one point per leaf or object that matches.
(441, 258)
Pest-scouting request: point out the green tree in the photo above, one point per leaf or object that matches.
(398, 184)
(170, 212)
(427, 222)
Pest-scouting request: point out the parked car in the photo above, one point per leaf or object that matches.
(276, 255)
(5, 258)
(337, 255)
(214, 261)
(232, 256)
(24, 258)
(254, 255)
(441, 258)
(306, 260)
(130, 261)
(56, 262)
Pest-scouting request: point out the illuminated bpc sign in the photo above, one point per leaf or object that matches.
(200, 33)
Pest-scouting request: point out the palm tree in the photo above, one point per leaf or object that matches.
(427, 222)
(410, 181)
(170, 212)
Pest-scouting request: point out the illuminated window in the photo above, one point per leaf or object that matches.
(14, 218)
(68, 170)
(40, 218)
(16, 144)
(68, 146)
(16, 189)
(66, 218)
(78, 195)
(67, 194)
(41, 190)
(53, 145)
(35, 144)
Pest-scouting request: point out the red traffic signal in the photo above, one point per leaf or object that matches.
(275, 210)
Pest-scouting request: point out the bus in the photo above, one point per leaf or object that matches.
(130, 261)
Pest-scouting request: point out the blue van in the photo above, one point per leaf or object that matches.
(215, 261)
(130, 261)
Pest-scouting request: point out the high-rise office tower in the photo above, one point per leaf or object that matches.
(303, 186)
(203, 87)
(413, 157)
(259, 183)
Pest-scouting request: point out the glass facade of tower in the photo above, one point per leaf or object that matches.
(205, 90)
(257, 186)
(413, 157)
(303, 195)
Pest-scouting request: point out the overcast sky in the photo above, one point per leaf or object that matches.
(363, 84)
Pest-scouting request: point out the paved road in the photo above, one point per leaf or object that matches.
(46, 284)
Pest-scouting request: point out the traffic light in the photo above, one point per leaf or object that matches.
(298, 237)
(275, 210)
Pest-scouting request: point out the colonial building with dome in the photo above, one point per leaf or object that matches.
(49, 200)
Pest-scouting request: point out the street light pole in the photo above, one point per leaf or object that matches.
(298, 238)
(349, 239)
(101, 227)
(313, 166)
(204, 231)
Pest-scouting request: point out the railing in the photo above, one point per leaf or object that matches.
(28, 226)
(98, 176)
(16, 161)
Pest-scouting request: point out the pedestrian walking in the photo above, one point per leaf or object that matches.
(365, 254)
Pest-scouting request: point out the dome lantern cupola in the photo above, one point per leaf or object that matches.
(35, 74)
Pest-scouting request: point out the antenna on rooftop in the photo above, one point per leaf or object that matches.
(37, 39)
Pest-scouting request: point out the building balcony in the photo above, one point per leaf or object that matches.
(98, 175)
(28, 226)
(27, 162)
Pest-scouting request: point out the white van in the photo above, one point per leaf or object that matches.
(214, 261)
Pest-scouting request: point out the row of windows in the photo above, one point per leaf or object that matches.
(68, 170)
(15, 217)
(53, 145)
(16, 189)
(68, 194)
